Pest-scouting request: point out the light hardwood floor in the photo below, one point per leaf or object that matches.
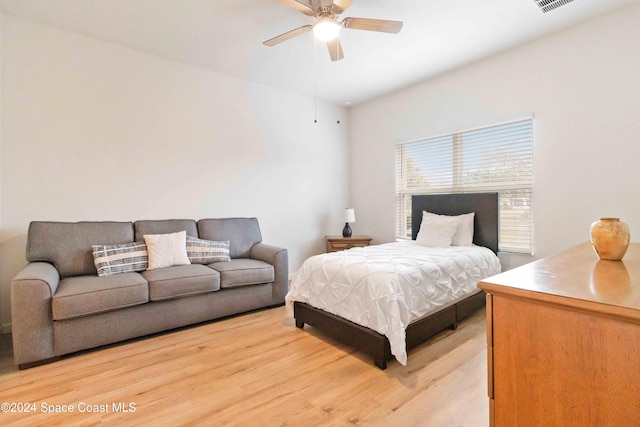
(257, 369)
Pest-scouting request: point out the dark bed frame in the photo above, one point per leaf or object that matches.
(485, 206)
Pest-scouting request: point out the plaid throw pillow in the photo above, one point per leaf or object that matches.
(200, 251)
(115, 259)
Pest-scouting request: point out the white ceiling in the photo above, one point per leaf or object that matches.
(226, 36)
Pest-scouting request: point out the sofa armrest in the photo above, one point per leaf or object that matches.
(31, 319)
(279, 258)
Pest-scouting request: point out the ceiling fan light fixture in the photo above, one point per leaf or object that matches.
(326, 29)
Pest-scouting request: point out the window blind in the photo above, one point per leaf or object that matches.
(495, 158)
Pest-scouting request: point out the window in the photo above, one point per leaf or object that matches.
(493, 159)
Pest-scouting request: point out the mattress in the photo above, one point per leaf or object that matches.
(386, 287)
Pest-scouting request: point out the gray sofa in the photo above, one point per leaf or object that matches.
(60, 305)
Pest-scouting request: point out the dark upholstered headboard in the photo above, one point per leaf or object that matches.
(485, 206)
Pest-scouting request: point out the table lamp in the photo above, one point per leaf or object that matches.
(349, 216)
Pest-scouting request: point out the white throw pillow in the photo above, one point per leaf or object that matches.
(436, 232)
(464, 234)
(464, 231)
(165, 250)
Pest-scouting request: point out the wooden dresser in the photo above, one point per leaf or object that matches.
(339, 243)
(563, 337)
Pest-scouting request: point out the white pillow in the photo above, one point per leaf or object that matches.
(165, 250)
(436, 232)
(464, 234)
(464, 231)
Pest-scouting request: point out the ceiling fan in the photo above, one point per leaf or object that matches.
(327, 27)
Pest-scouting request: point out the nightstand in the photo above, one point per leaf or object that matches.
(339, 243)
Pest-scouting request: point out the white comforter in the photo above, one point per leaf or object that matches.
(386, 287)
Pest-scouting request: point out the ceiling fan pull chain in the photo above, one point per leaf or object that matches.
(315, 80)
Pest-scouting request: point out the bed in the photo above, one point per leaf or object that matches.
(404, 332)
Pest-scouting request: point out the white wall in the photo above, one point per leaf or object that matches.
(583, 88)
(93, 131)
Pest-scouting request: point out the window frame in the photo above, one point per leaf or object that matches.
(515, 140)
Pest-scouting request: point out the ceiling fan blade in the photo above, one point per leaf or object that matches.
(335, 49)
(303, 6)
(288, 35)
(380, 25)
(340, 6)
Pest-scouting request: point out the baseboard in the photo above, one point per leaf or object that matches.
(6, 328)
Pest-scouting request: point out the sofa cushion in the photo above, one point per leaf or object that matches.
(85, 295)
(200, 251)
(243, 272)
(243, 233)
(116, 259)
(164, 226)
(67, 245)
(180, 281)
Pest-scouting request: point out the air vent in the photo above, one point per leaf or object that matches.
(547, 5)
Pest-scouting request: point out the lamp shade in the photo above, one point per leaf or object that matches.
(349, 215)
